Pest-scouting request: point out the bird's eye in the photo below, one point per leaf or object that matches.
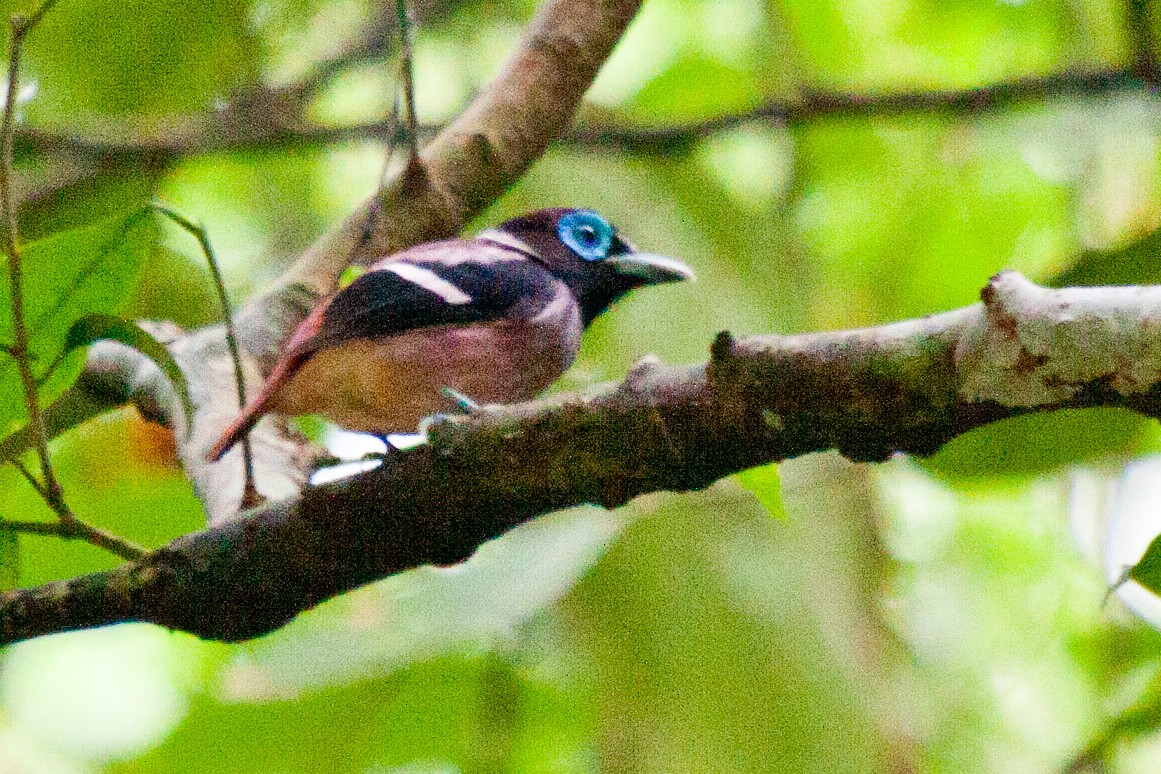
(587, 234)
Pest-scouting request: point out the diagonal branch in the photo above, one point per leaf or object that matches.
(814, 105)
(908, 387)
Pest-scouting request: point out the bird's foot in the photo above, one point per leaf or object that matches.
(430, 421)
(461, 401)
(464, 406)
(398, 442)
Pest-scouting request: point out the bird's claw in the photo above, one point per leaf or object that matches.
(431, 421)
(461, 401)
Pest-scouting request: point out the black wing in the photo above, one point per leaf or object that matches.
(402, 295)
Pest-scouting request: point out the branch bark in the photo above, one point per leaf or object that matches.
(908, 387)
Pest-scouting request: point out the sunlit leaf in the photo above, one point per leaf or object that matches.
(763, 482)
(1147, 571)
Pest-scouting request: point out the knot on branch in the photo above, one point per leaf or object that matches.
(1038, 347)
(724, 379)
(640, 374)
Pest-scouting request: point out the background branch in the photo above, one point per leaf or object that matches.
(265, 129)
(908, 387)
(1142, 44)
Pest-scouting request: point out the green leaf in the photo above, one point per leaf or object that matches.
(1038, 443)
(97, 326)
(416, 615)
(145, 61)
(66, 276)
(1137, 263)
(9, 559)
(763, 482)
(1147, 571)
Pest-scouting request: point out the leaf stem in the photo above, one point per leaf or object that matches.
(31, 479)
(250, 496)
(78, 530)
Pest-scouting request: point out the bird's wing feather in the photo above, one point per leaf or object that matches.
(409, 293)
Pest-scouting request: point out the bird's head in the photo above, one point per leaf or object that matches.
(586, 252)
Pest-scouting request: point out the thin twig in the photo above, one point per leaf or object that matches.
(71, 527)
(34, 18)
(407, 76)
(74, 527)
(250, 496)
(406, 79)
(35, 528)
(20, 27)
(55, 364)
(79, 530)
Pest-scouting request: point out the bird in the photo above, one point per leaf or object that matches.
(496, 318)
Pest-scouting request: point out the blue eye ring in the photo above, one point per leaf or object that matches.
(587, 234)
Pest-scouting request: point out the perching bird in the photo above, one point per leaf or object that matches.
(497, 318)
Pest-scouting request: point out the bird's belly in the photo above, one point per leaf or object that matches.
(388, 385)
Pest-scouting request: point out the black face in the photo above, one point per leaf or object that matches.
(585, 251)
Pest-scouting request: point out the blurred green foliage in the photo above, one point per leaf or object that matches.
(67, 276)
(942, 616)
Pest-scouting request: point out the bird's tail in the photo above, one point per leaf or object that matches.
(301, 346)
(256, 409)
(235, 432)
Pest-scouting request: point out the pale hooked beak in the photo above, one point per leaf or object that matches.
(651, 269)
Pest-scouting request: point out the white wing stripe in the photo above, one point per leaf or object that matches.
(506, 239)
(431, 282)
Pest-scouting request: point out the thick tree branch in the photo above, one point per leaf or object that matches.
(908, 387)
